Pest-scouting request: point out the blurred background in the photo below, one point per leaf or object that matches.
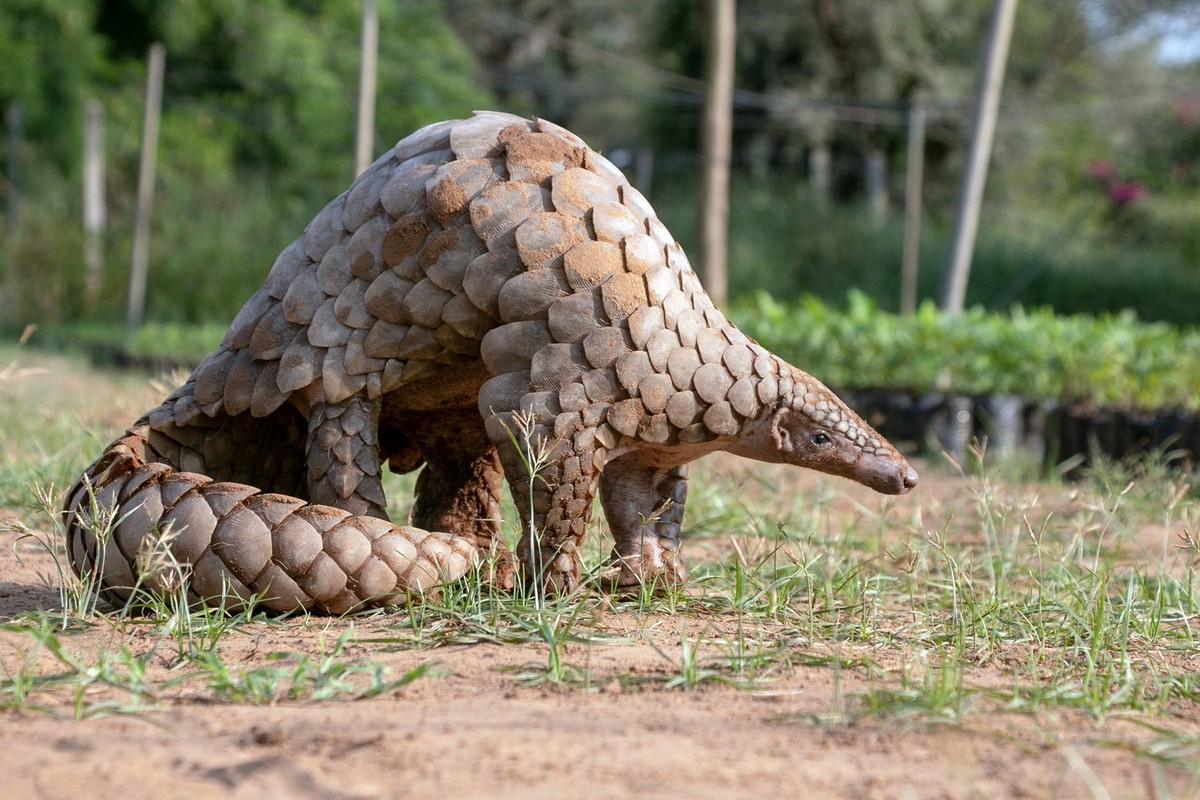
(1091, 207)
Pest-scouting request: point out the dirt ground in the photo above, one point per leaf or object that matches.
(477, 730)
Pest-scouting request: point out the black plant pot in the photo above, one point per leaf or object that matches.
(1002, 418)
(953, 426)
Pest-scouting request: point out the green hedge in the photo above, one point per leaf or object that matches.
(1108, 359)
(158, 343)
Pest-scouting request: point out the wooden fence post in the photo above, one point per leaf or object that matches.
(145, 193)
(14, 118)
(876, 180)
(94, 208)
(716, 150)
(983, 132)
(913, 185)
(820, 174)
(364, 140)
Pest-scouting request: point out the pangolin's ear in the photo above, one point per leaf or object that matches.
(781, 436)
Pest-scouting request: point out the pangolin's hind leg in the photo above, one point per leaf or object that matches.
(459, 489)
(264, 452)
(644, 504)
(343, 456)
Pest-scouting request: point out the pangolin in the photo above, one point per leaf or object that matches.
(490, 301)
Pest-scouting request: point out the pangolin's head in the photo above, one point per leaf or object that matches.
(811, 427)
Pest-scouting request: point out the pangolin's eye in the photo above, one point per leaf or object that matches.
(821, 439)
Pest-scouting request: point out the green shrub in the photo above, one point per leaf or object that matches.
(1108, 359)
(168, 344)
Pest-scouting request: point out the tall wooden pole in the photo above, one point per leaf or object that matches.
(913, 183)
(94, 210)
(983, 132)
(820, 171)
(145, 192)
(15, 120)
(876, 181)
(364, 140)
(716, 150)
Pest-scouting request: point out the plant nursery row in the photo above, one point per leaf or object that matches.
(1059, 386)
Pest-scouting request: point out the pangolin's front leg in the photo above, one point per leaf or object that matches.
(552, 461)
(554, 505)
(343, 456)
(644, 504)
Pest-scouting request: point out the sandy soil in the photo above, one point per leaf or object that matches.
(476, 729)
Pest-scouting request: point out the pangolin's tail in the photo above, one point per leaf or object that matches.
(135, 524)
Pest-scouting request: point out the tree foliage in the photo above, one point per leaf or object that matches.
(270, 84)
(257, 128)
(52, 56)
(260, 97)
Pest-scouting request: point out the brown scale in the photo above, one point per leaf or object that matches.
(489, 286)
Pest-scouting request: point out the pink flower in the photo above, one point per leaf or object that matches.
(1122, 193)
